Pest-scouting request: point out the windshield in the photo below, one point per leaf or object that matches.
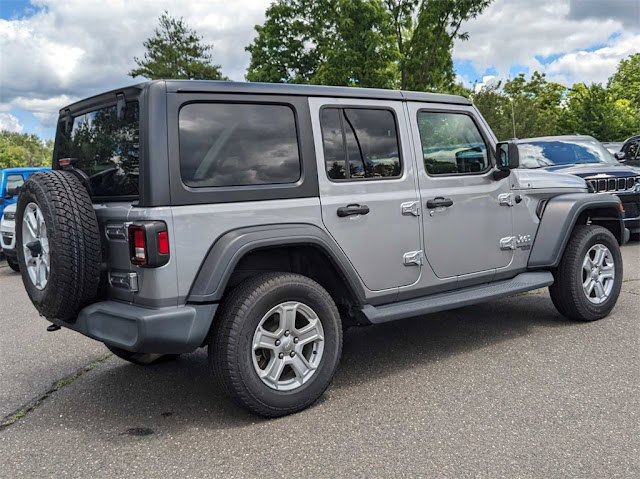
(538, 154)
(107, 149)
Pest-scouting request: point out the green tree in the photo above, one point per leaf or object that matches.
(426, 62)
(592, 110)
(176, 51)
(532, 107)
(22, 149)
(625, 82)
(369, 43)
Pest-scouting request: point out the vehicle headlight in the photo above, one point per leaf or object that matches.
(9, 216)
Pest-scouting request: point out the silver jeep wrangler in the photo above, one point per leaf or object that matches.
(260, 220)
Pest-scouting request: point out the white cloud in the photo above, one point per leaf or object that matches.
(598, 65)
(515, 32)
(72, 49)
(82, 47)
(10, 123)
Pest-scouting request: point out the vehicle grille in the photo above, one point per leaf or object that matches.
(613, 184)
(631, 210)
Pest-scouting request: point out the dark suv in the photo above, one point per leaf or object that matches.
(584, 156)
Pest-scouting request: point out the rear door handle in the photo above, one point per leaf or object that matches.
(353, 209)
(439, 201)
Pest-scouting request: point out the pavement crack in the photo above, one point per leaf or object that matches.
(59, 384)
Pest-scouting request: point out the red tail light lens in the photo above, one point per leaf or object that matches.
(138, 244)
(163, 242)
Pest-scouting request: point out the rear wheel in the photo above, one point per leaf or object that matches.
(276, 343)
(589, 277)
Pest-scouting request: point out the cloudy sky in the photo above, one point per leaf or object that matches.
(53, 52)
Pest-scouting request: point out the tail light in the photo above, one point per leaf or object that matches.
(148, 244)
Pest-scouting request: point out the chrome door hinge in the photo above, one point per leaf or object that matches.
(505, 199)
(413, 258)
(411, 208)
(508, 243)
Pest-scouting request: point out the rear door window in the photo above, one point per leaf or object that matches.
(364, 139)
(233, 144)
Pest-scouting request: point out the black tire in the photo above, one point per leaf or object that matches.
(141, 359)
(567, 292)
(73, 239)
(230, 344)
(13, 264)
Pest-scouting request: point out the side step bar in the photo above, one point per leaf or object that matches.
(457, 299)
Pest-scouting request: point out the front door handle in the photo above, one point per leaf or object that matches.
(353, 209)
(439, 201)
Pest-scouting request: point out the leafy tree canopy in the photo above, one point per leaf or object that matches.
(175, 51)
(368, 43)
(625, 82)
(22, 149)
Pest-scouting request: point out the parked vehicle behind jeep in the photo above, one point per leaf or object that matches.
(8, 236)
(260, 220)
(584, 156)
(11, 180)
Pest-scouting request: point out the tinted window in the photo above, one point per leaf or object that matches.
(333, 143)
(14, 181)
(538, 154)
(236, 145)
(107, 149)
(365, 139)
(632, 152)
(451, 144)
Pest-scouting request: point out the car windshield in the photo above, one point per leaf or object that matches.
(541, 153)
(107, 149)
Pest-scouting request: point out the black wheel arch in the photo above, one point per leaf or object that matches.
(231, 249)
(561, 215)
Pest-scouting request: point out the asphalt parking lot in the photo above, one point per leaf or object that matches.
(507, 388)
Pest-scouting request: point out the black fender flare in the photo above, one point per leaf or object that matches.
(559, 218)
(225, 253)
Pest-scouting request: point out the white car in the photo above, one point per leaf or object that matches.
(8, 236)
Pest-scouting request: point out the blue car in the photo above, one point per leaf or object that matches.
(10, 179)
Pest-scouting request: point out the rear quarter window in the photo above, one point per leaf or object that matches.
(234, 144)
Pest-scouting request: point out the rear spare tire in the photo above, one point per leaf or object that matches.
(58, 244)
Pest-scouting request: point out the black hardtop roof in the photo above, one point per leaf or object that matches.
(215, 86)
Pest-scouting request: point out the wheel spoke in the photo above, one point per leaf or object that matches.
(599, 256)
(599, 289)
(301, 366)
(309, 333)
(592, 283)
(30, 228)
(288, 316)
(264, 339)
(587, 264)
(273, 371)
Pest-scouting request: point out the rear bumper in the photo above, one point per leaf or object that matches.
(170, 330)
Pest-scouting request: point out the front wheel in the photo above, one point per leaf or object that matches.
(589, 277)
(276, 343)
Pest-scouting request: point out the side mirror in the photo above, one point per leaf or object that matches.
(11, 192)
(620, 156)
(507, 155)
